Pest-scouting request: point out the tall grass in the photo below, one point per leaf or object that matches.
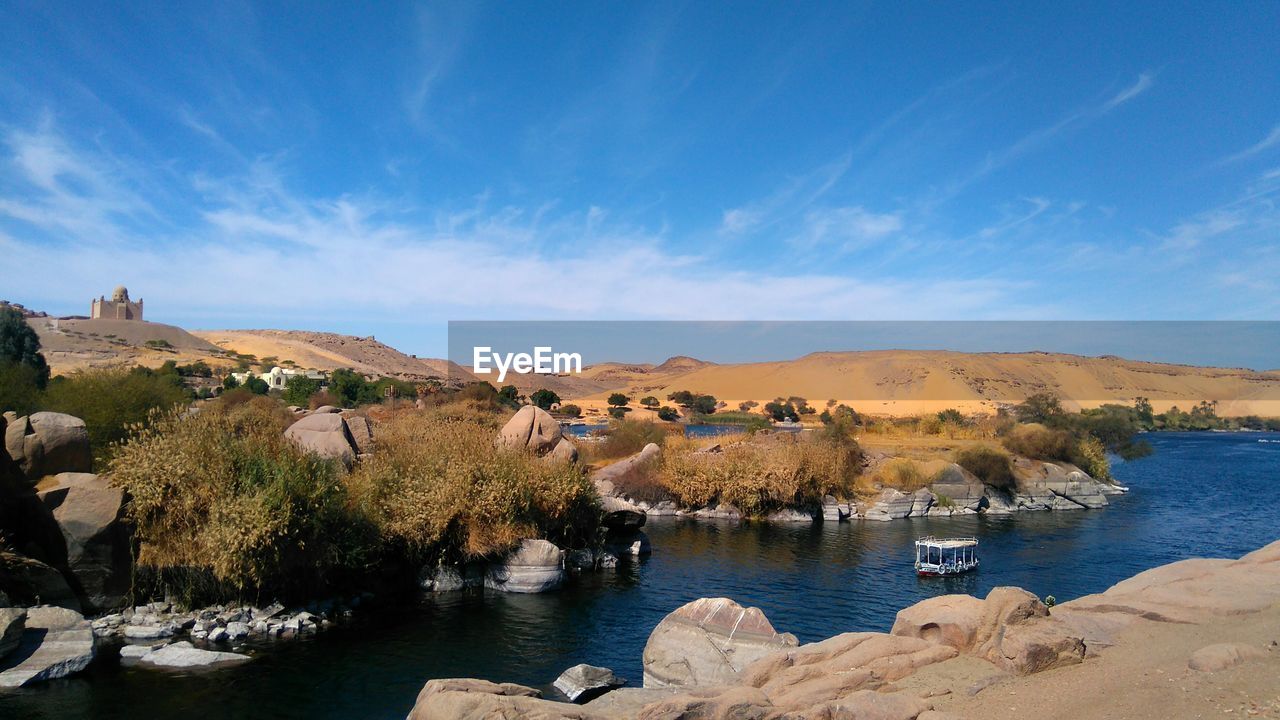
(758, 478)
(989, 465)
(439, 487)
(223, 503)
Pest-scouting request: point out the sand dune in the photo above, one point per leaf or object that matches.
(908, 382)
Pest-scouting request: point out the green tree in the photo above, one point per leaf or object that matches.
(351, 388)
(19, 388)
(704, 404)
(781, 410)
(618, 400)
(509, 396)
(683, 398)
(619, 411)
(20, 345)
(650, 402)
(230, 383)
(257, 386)
(299, 389)
(668, 414)
(544, 398)
(1043, 408)
(951, 416)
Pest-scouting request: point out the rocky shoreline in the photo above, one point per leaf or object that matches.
(713, 658)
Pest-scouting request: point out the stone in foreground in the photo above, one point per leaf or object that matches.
(709, 642)
(583, 683)
(536, 566)
(1221, 656)
(56, 643)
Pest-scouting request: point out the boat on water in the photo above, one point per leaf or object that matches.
(946, 556)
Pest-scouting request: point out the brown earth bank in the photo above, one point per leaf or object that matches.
(1193, 639)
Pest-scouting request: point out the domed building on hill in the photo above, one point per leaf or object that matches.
(119, 307)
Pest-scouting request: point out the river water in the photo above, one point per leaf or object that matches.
(1200, 494)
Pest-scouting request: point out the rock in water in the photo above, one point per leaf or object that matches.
(56, 643)
(582, 683)
(532, 428)
(12, 622)
(536, 566)
(709, 642)
(185, 655)
(90, 514)
(326, 435)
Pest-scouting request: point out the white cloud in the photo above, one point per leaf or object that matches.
(1191, 233)
(846, 228)
(251, 248)
(1141, 85)
(1271, 140)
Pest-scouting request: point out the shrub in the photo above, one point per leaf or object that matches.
(618, 400)
(222, 494)
(570, 410)
(758, 479)
(1090, 456)
(19, 387)
(650, 402)
(437, 487)
(628, 437)
(669, 414)
(110, 401)
(161, 344)
(902, 474)
(1037, 441)
(989, 465)
(352, 389)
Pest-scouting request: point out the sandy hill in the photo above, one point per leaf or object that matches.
(78, 344)
(330, 351)
(906, 382)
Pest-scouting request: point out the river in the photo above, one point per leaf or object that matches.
(1200, 494)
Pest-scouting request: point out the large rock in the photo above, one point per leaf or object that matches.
(48, 443)
(531, 428)
(564, 452)
(56, 643)
(621, 516)
(450, 699)
(30, 582)
(361, 433)
(12, 622)
(326, 435)
(90, 514)
(709, 642)
(583, 683)
(1011, 628)
(612, 480)
(536, 566)
(184, 655)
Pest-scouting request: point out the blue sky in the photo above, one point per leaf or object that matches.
(382, 168)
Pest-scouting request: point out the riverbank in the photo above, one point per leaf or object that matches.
(1197, 634)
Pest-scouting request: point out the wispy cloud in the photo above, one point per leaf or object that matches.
(1192, 233)
(845, 229)
(788, 201)
(1141, 85)
(1271, 140)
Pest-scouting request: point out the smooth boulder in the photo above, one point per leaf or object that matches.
(326, 435)
(12, 622)
(57, 642)
(361, 433)
(449, 699)
(536, 566)
(90, 514)
(612, 480)
(531, 428)
(709, 642)
(48, 443)
(1220, 656)
(583, 683)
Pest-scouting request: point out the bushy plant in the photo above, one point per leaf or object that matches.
(1090, 455)
(628, 437)
(299, 389)
(901, 474)
(438, 486)
(990, 465)
(1034, 440)
(223, 494)
(759, 478)
(111, 401)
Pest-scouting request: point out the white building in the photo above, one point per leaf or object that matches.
(277, 377)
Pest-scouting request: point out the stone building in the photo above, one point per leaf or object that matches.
(119, 307)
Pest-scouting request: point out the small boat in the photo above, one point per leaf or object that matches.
(946, 556)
